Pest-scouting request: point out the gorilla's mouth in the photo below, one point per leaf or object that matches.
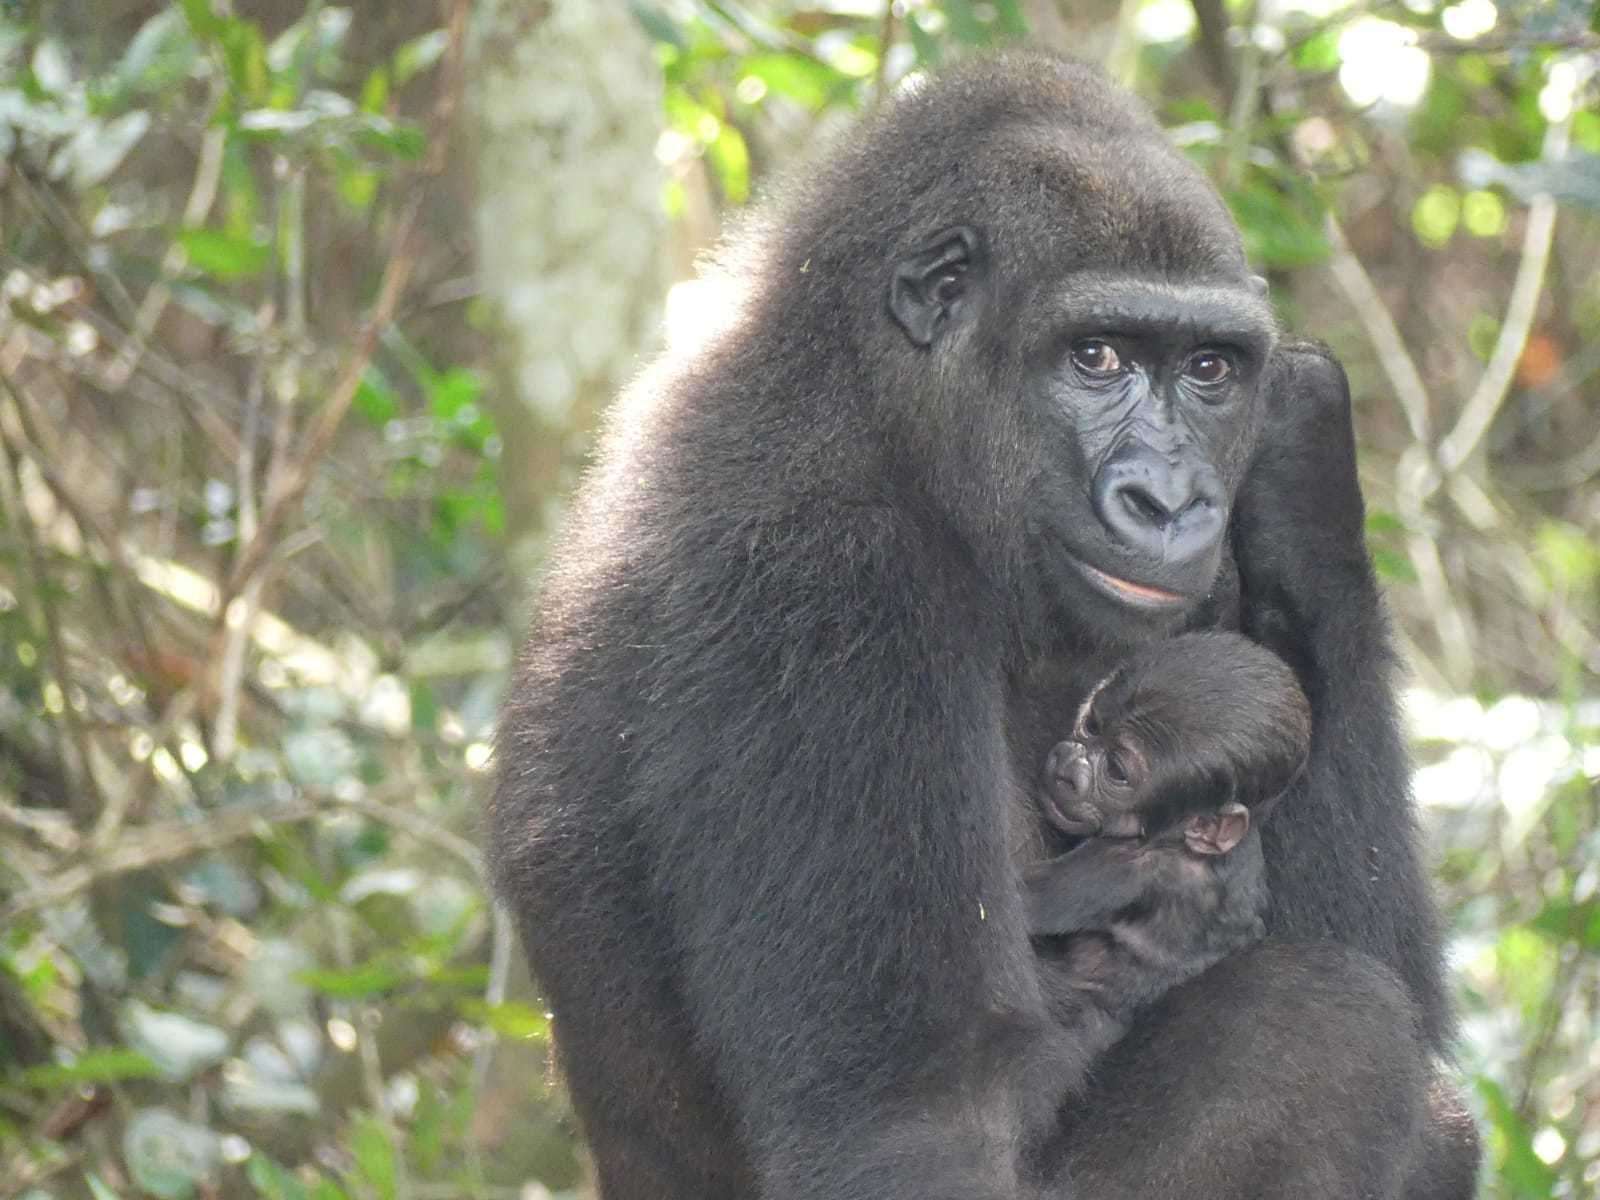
(1139, 595)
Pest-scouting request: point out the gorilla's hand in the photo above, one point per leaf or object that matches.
(1299, 520)
(1311, 596)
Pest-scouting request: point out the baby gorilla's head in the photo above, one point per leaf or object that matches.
(1201, 721)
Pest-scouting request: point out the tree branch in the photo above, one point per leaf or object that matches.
(1478, 414)
(168, 842)
(1393, 357)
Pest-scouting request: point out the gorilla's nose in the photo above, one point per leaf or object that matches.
(1077, 776)
(1160, 509)
(1067, 769)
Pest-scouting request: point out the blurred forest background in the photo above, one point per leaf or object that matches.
(306, 310)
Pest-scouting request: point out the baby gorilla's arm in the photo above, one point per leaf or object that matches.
(1084, 888)
(1139, 917)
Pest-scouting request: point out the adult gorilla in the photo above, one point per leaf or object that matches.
(838, 581)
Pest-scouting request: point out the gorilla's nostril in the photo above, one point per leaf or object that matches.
(1145, 507)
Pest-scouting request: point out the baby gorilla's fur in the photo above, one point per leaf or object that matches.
(1175, 758)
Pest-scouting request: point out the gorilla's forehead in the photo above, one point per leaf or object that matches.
(1117, 200)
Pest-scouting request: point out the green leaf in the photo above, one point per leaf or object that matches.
(508, 1018)
(798, 77)
(100, 1065)
(160, 54)
(1568, 554)
(178, 1045)
(98, 148)
(965, 23)
(1009, 19)
(224, 255)
(202, 18)
(1565, 921)
(1519, 1171)
(244, 54)
(1320, 51)
(419, 55)
(929, 52)
(367, 979)
(375, 91)
(166, 1155)
(357, 186)
(272, 1181)
(657, 24)
(374, 1155)
(1277, 233)
(399, 138)
(52, 71)
(730, 159)
(424, 706)
(1382, 521)
(1393, 565)
(453, 392)
(375, 399)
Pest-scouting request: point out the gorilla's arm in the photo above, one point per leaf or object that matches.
(1085, 887)
(831, 858)
(1342, 852)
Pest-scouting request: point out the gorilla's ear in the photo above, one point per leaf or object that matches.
(933, 286)
(1219, 832)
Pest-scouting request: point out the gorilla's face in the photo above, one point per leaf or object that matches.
(1131, 402)
(1143, 396)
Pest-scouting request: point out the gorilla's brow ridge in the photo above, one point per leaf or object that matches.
(1129, 304)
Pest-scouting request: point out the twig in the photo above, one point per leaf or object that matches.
(1212, 19)
(366, 1023)
(207, 175)
(1443, 43)
(38, 451)
(1567, 473)
(235, 627)
(397, 272)
(1242, 107)
(86, 799)
(1478, 414)
(173, 841)
(1373, 313)
(494, 994)
(47, 826)
(880, 73)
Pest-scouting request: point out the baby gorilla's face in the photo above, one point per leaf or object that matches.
(1095, 780)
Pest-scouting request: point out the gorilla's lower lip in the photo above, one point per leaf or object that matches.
(1141, 595)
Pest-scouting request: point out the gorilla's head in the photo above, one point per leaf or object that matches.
(1064, 331)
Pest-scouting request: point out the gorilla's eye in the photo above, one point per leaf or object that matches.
(1209, 367)
(1116, 769)
(1091, 723)
(1094, 357)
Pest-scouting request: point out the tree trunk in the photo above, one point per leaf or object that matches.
(571, 230)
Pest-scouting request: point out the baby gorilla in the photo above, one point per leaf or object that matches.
(1175, 758)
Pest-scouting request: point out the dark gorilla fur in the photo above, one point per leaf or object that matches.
(765, 773)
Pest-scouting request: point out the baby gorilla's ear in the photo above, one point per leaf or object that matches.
(1218, 832)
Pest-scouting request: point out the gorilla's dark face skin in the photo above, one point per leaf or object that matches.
(1141, 396)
